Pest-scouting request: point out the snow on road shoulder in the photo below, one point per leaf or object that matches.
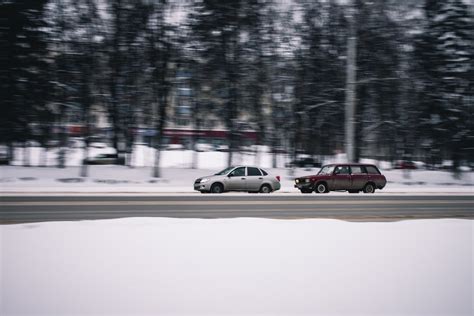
(242, 266)
(123, 179)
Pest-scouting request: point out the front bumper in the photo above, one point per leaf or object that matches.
(304, 185)
(202, 187)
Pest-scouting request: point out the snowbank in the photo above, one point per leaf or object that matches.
(241, 267)
(124, 179)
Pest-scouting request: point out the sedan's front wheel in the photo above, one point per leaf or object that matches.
(217, 188)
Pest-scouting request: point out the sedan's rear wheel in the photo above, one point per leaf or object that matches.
(265, 189)
(217, 188)
(369, 188)
(321, 188)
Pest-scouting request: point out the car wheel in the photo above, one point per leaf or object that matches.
(369, 188)
(321, 188)
(217, 188)
(305, 191)
(265, 189)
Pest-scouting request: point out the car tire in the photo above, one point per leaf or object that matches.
(369, 188)
(305, 191)
(217, 188)
(321, 188)
(266, 189)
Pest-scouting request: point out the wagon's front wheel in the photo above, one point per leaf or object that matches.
(321, 188)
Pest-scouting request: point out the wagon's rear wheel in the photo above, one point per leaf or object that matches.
(369, 188)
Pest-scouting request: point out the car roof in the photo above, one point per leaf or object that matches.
(349, 164)
(246, 166)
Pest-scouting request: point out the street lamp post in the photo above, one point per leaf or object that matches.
(351, 70)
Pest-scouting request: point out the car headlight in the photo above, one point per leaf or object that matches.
(297, 181)
(204, 180)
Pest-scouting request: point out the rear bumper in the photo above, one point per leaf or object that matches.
(276, 186)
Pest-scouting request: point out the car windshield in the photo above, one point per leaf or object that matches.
(224, 172)
(326, 170)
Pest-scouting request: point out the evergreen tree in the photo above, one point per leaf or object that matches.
(445, 56)
(23, 72)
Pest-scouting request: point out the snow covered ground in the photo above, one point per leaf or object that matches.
(123, 179)
(242, 266)
(179, 177)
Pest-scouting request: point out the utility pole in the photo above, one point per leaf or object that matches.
(351, 72)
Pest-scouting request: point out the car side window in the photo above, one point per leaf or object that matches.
(239, 172)
(372, 170)
(264, 172)
(341, 170)
(357, 170)
(251, 171)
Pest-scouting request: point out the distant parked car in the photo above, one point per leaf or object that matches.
(278, 150)
(175, 147)
(98, 145)
(343, 177)
(4, 160)
(307, 162)
(203, 147)
(223, 148)
(405, 164)
(238, 178)
(105, 159)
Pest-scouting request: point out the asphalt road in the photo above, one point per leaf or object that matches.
(348, 207)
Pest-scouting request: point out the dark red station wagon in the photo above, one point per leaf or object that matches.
(343, 177)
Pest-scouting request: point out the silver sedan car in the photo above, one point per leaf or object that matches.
(238, 178)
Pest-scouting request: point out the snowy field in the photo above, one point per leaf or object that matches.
(177, 175)
(240, 267)
(121, 179)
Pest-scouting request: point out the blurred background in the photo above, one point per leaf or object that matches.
(296, 82)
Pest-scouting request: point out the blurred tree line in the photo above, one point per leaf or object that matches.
(280, 64)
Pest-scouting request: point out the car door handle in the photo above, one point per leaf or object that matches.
(242, 178)
(260, 178)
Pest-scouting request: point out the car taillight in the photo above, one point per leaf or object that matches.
(278, 178)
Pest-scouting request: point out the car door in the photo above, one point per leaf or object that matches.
(358, 177)
(254, 179)
(237, 180)
(342, 178)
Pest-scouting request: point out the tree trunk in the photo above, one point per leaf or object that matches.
(11, 153)
(26, 155)
(84, 170)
